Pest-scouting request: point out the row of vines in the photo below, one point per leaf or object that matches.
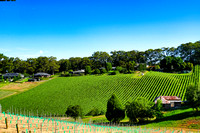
(94, 91)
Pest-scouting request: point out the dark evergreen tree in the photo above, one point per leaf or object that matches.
(115, 111)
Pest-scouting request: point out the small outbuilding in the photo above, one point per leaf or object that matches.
(82, 71)
(12, 75)
(169, 101)
(41, 75)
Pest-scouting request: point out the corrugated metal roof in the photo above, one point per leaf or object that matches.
(168, 99)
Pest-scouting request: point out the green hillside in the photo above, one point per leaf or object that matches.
(93, 91)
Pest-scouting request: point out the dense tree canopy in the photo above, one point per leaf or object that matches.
(139, 109)
(193, 96)
(169, 59)
(115, 111)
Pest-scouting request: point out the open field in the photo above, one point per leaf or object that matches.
(90, 92)
(16, 88)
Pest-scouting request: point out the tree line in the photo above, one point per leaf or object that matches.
(164, 57)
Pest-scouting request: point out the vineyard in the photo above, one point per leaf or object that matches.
(91, 92)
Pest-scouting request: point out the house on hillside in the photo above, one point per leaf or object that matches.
(82, 71)
(169, 101)
(12, 75)
(41, 75)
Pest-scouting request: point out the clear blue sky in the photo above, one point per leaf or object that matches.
(77, 28)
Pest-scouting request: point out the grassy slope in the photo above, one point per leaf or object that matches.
(182, 118)
(8, 89)
(93, 91)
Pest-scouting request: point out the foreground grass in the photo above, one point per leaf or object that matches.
(182, 118)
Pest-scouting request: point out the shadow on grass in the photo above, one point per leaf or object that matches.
(174, 117)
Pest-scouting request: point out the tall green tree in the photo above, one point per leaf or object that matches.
(108, 66)
(139, 109)
(193, 96)
(74, 111)
(88, 70)
(115, 111)
(53, 65)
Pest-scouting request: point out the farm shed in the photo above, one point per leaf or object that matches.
(78, 72)
(169, 101)
(12, 75)
(37, 75)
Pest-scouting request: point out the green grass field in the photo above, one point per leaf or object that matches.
(90, 92)
(5, 93)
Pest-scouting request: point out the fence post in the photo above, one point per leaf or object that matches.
(6, 121)
(17, 128)
(41, 127)
(55, 126)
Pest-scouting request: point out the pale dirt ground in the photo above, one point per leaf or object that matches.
(49, 126)
(20, 87)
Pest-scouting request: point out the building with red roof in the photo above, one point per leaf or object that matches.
(169, 101)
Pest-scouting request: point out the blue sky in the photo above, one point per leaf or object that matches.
(66, 28)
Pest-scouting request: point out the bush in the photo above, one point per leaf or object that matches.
(119, 69)
(108, 66)
(97, 71)
(124, 70)
(113, 72)
(74, 111)
(93, 112)
(103, 71)
(139, 109)
(88, 70)
(26, 75)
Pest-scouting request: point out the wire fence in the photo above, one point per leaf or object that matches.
(30, 124)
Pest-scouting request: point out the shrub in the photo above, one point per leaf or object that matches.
(119, 69)
(108, 66)
(115, 111)
(139, 109)
(74, 111)
(113, 72)
(124, 70)
(97, 71)
(103, 71)
(88, 70)
(93, 112)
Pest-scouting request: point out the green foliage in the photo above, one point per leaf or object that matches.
(103, 71)
(94, 91)
(108, 66)
(124, 70)
(15, 79)
(115, 111)
(157, 67)
(97, 71)
(159, 105)
(113, 72)
(94, 112)
(130, 66)
(88, 70)
(158, 109)
(193, 96)
(139, 109)
(118, 68)
(142, 67)
(74, 111)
